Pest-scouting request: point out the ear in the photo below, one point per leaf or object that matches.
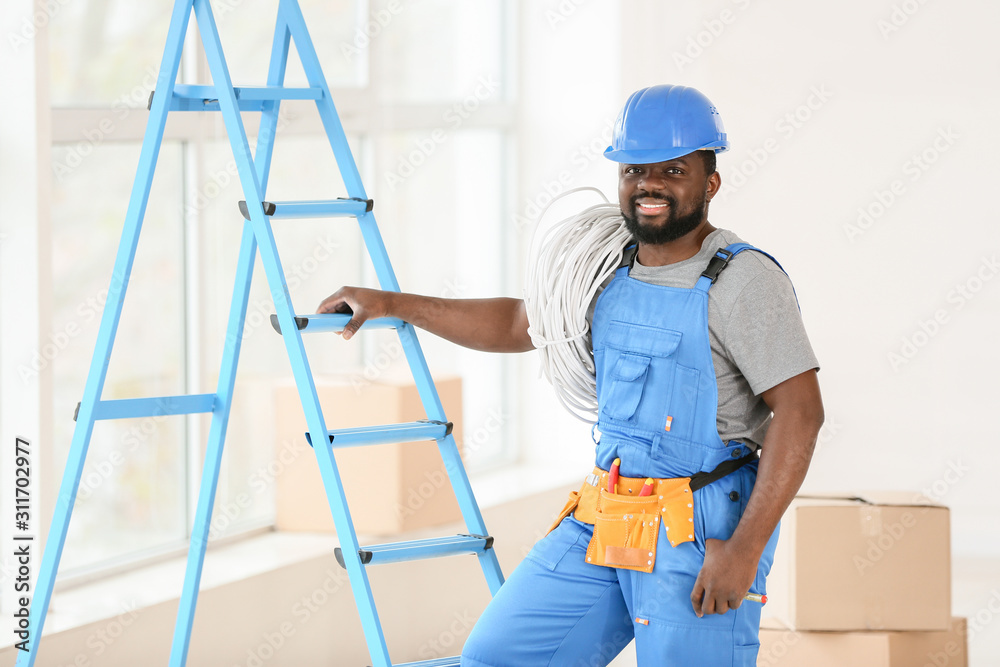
(712, 185)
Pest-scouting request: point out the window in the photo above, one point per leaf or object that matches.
(132, 493)
(422, 92)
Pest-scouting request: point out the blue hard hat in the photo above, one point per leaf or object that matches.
(661, 123)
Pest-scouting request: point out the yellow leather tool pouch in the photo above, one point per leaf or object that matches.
(625, 532)
(626, 525)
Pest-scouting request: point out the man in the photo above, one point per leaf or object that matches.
(697, 340)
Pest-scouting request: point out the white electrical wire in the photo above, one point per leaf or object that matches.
(568, 262)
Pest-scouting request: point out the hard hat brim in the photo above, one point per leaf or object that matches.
(651, 156)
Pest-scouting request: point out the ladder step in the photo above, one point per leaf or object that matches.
(188, 97)
(436, 662)
(335, 322)
(434, 547)
(384, 434)
(130, 408)
(341, 207)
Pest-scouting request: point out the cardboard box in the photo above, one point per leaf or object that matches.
(781, 647)
(389, 488)
(872, 561)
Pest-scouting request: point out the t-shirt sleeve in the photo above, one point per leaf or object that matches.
(765, 336)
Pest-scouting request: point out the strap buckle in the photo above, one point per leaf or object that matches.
(715, 266)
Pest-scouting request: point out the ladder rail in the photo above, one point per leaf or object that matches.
(388, 281)
(378, 253)
(457, 474)
(96, 376)
(292, 338)
(269, 121)
(294, 22)
(213, 452)
(234, 331)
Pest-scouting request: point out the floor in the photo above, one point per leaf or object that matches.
(975, 595)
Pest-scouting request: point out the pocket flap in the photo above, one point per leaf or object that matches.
(653, 341)
(630, 367)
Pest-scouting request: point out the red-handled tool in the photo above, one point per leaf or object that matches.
(613, 476)
(647, 488)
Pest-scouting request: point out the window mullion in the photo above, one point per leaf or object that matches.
(192, 61)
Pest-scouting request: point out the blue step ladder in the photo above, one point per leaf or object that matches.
(258, 214)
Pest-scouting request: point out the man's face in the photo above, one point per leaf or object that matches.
(664, 201)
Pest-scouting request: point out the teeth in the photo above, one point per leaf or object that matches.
(652, 205)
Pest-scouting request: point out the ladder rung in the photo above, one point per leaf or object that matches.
(342, 207)
(188, 97)
(434, 547)
(436, 662)
(127, 408)
(335, 322)
(384, 434)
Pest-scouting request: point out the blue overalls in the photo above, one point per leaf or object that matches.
(657, 399)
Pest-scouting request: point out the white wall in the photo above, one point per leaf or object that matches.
(887, 81)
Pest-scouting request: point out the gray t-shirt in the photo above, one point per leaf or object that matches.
(754, 327)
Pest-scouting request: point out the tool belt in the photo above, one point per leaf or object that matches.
(627, 525)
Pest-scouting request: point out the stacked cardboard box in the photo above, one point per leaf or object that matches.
(862, 580)
(782, 647)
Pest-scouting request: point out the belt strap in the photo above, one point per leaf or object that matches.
(583, 504)
(702, 479)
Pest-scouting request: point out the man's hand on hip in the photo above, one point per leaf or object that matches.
(724, 579)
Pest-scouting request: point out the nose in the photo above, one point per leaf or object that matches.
(649, 182)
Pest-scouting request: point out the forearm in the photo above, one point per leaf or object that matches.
(784, 461)
(490, 325)
(731, 565)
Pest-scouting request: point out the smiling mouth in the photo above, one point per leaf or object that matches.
(650, 208)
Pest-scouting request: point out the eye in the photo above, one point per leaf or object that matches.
(632, 170)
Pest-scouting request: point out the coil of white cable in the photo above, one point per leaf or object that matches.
(568, 262)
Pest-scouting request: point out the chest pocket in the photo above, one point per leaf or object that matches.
(628, 379)
(639, 373)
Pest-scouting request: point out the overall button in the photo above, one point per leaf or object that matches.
(737, 453)
(734, 495)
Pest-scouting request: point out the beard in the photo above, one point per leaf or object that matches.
(675, 226)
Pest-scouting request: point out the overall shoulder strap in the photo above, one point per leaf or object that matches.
(628, 259)
(720, 260)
